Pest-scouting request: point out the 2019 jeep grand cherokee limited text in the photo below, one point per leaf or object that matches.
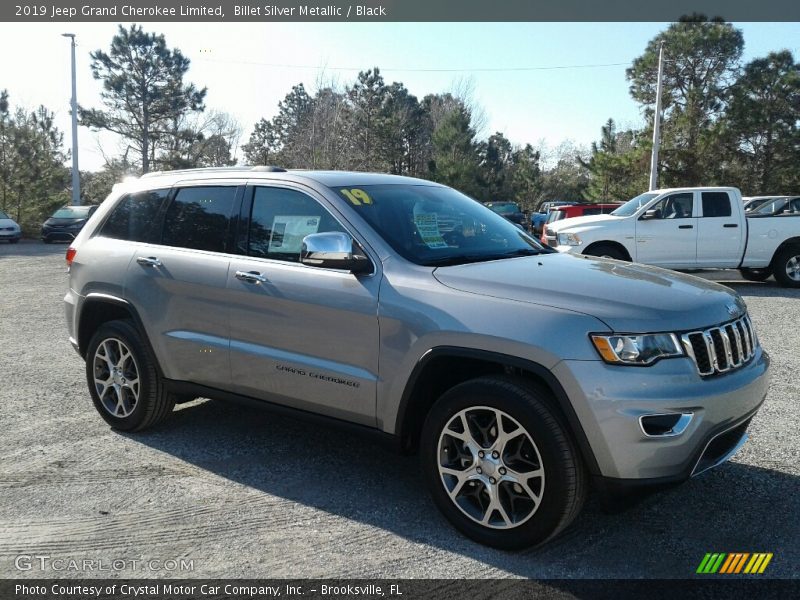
(404, 307)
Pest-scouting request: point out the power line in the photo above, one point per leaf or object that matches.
(417, 70)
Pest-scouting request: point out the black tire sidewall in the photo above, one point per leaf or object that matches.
(533, 414)
(128, 335)
(779, 266)
(606, 251)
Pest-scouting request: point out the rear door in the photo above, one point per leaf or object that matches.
(720, 236)
(670, 238)
(178, 284)
(302, 336)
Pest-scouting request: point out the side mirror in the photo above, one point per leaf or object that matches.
(333, 250)
(650, 214)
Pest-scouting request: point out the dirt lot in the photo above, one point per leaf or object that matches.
(241, 493)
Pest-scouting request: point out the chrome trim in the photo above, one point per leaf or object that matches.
(680, 425)
(744, 339)
(722, 459)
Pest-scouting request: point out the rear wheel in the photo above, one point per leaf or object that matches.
(123, 380)
(755, 274)
(786, 267)
(500, 465)
(606, 251)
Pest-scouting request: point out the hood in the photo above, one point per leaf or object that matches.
(7, 223)
(629, 298)
(581, 221)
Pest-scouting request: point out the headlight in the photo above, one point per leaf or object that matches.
(637, 349)
(569, 239)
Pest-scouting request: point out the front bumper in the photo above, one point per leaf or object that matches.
(609, 401)
(61, 235)
(10, 235)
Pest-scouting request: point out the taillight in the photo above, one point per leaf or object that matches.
(71, 252)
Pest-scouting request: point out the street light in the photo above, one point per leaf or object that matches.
(76, 176)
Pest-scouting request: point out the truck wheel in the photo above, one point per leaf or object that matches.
(500, 465)
(755, 274)
(786, 267)
(123, 380)
(606, 251)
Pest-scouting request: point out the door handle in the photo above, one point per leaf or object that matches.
(730, 225)
(148, 261)
(685, 226)
(250, 276)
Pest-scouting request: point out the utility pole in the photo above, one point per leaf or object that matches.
(657, 122)
(76, 176)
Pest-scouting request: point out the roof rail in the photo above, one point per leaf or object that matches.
(259, 168)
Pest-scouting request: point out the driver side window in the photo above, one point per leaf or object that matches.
(675, 206)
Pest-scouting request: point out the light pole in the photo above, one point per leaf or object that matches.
(76, 176)
(657, 121)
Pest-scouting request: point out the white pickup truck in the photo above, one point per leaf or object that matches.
(690, 228)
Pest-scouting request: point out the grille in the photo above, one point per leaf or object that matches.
(721, 349)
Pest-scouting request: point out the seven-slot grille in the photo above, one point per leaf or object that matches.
(721, 349)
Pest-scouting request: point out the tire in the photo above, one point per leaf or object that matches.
(47, 240)
(755, 274)
(537, 452)
(13, 241)
(786, 267)
(124, 405)
(606, 251)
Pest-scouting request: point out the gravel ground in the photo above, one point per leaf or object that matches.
(243, 493)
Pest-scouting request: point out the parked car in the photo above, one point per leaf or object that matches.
(9, 229)
(690, 228)
(538, 218)
(66, 223)
(519, 374)
(569, 211)
(510, 211)
(750, 203)
(781, 205)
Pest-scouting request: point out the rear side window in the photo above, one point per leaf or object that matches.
(281, 218)
(555, 215)
(132, 218)
(199, 218)
(716, 204)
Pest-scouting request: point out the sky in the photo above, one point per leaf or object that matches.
(569, 77)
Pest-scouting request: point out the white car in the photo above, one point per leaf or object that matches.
(690, 228)
(9, 229)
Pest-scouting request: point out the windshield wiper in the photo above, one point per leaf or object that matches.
(461, 259)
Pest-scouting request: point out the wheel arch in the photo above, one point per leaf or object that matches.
(100, 308)
(443, 367)
(621, 247)
(791, 242)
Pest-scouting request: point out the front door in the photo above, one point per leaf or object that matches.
(302, 336)
(669, 238)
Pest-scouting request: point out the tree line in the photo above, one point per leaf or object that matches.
(723, 123)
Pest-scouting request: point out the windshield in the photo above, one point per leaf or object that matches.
(437, 226)
(770, 207)
(555, 215)
(72, 212)
(633, 205)
(503, 208)
(3, 215)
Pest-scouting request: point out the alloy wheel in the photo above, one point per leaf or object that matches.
(490, 467)
(116, 377)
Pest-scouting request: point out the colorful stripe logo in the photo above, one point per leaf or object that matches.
(734, 562)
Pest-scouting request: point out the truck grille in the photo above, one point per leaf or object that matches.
(721, 349)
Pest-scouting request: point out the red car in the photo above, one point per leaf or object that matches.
(573, 210)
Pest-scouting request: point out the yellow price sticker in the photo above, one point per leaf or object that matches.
(356, 196)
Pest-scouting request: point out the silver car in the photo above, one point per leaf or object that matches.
(401, 307)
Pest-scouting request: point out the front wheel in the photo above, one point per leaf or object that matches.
(500, 465)
(123, 380)
(786, 267)
(606, 251)
(755, 274)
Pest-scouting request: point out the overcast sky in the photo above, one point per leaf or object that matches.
(249, 68)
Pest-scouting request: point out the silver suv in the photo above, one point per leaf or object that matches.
(402, 307)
